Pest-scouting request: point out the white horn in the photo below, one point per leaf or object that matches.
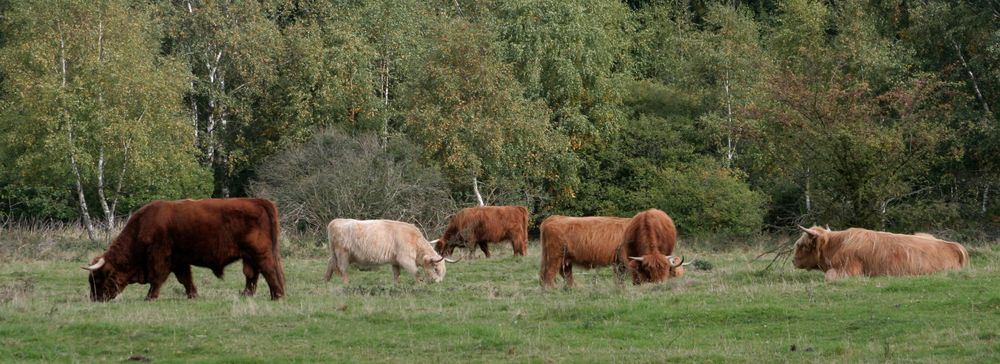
(432, 242)
(807, 231)
(96, 266)
(636, 258)
(449, 260)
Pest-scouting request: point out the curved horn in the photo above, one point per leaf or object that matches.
(807, 231)
(449, 260)
(438, 260)
(636, 258)
(670, 260)
(828, 227)
(96, 266)
(434, 242)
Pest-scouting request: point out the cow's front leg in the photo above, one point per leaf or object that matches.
(157, 273)
(411, 267)
(183, 274)
(395, 274)
(485, 247)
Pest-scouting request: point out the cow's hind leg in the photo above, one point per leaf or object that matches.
(252, 274)
(343, 259)
(566, 270)
(183, 274)
(331, 267)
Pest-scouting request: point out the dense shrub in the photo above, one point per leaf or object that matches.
(336, 175)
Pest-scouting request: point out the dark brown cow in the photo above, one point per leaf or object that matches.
(477, 226)
(647, 248)
(587, 242)
(171, 236)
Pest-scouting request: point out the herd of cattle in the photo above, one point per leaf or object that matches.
(166, 237)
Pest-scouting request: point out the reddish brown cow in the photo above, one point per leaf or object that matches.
(855, 252)
(587, 242)
(647, 248)
(477, 226)
(171, 236)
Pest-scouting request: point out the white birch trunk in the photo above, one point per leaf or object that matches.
(475, 188)
(972, 77)
(730, 143)
(84, 212)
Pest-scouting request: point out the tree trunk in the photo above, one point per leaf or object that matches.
(730, 143)
(972, 76)
(84, 212)
(108, 215)
(986, 197)
(808, 193)
(385, 100)
(475, 188)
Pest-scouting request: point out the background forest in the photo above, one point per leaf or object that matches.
(735, 117)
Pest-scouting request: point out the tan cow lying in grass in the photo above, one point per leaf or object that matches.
(855, 252)
(376, 242)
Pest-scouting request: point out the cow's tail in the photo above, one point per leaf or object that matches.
(963, 259)
(272, 212)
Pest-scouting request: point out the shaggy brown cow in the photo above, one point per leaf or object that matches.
(647, 248)
(855, 252)
(586, 242)
(477, 226)
(171, 236)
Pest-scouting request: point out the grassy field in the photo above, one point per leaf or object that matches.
(489, 310)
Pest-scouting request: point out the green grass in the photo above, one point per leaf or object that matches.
(489, 310)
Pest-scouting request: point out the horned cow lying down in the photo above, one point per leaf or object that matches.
(855, 252)
(376, 242)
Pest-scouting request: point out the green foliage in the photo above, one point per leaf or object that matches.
(93, 89)
(470, 115)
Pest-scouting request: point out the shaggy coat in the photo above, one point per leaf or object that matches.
(586, 242)
(647, 248)
(855, 252)
(477, 226)
(368, 243)
(171, 236)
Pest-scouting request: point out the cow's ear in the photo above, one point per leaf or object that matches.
(811, 232)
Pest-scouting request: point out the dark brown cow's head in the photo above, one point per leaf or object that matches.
(442, 247)
(652, 268)
(105, 282)
(809, 248)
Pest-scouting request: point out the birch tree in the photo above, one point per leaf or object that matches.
(88, 98)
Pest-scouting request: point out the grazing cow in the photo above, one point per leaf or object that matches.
(477, 226)
(374, 242)
(855, 252)
(171, 236)
(587, 242)
(647, 247)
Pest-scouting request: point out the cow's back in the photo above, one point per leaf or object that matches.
(586, 241)
(881, 253)
(373, 241)
(210, 233)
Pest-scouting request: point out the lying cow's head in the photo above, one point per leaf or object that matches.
(435, 265)
(809, 247)
(652, 268)
(105, 282)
